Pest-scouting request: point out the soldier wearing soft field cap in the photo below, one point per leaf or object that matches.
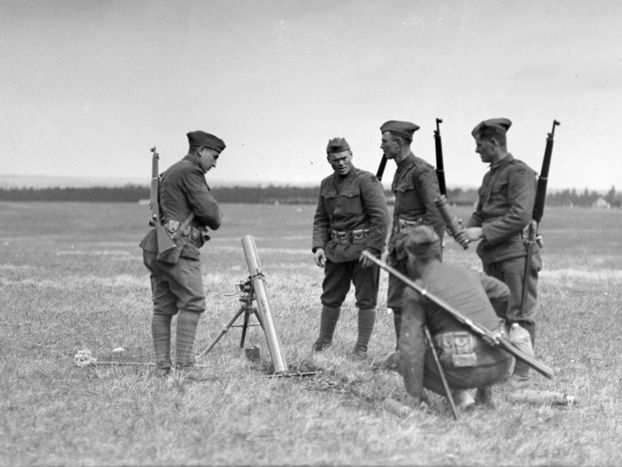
(468, 361)
(415, 186)
(188, 210)
(351, 216)
(504, 209)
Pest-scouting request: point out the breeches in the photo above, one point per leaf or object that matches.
(337, 279)
(512, 273)
(396, 286)
(466, 377)
(175, 287)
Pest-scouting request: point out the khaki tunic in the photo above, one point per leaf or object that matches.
(346, 204)
(415, 186)
(475, 296)
(504, 209)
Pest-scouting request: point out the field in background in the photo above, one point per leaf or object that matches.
(72, 278)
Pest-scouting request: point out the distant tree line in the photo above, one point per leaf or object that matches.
(273, 194)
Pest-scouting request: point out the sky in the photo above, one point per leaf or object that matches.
(88, 87)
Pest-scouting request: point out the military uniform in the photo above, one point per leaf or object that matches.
(504, 210)
(351, 216)
(467, 360)
(415, 186)
(176, 279)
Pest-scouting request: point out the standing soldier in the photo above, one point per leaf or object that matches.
(351, 216)
(187, 208)
(504, 210)
(415, 186)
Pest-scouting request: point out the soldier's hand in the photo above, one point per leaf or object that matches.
(365, 261)
(472, 234)
(320, 257)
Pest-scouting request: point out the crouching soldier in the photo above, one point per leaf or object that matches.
(467, 360)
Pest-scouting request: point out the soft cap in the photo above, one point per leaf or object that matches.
(200, 138)
(404, 129)
(497, 125)
(336, 145)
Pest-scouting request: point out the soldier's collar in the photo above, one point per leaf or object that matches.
(409, 160)
(502, 163)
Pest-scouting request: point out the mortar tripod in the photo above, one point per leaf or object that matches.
(247, 298)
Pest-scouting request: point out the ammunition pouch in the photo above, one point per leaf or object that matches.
(188, 234)
(354, 236)
(457, 349)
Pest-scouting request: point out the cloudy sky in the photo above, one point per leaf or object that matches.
(88, 87)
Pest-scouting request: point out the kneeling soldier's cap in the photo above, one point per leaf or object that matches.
(420, 240)
(336, 145)
(404, 129)
(495, 125)
(200, 138)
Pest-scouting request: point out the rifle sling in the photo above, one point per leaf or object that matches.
(183, 226)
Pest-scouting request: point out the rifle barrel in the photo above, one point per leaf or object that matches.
(381, 167)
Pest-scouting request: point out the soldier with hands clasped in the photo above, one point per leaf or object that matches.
(351, 216)
(187, 210)
(415, 186)
(503, 212)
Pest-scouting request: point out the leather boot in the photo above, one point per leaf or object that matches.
(187, 323)
(328, 323)
(391, 362)
(463, 399)
(366, 321)
(161, 334)
(397, 324)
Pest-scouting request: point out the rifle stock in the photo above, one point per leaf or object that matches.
(490, 337)
(164, 241)
(453, 223)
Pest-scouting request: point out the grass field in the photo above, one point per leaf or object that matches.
(71, 278)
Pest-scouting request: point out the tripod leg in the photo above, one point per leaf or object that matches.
(223, 331)
(428, 337)
(247, 314)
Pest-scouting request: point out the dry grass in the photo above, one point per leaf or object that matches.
(72, 278)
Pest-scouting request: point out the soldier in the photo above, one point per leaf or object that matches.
(415, 186)
(176, 282)
(351, 216)
(503, 211)
(467, 360)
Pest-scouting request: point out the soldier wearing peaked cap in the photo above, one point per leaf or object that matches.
(503, 211)
(188, 209)
(415, 186)
(467, 360)
(351, 216)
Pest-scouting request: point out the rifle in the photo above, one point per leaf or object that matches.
(538, 208)
(440, 170)
(533, 235)
(493, 339)
(165, 243)
(453, 223)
